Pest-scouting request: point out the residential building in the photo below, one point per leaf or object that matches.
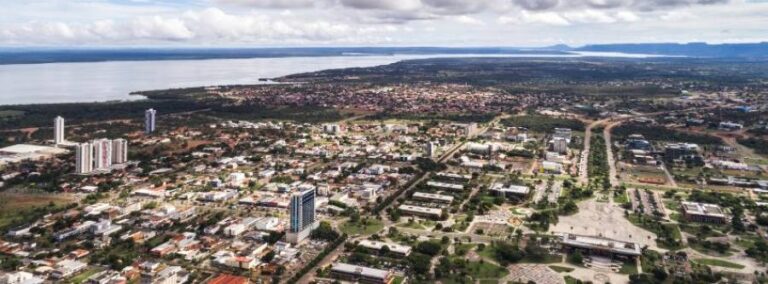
(149, 121)
(58, 130)
(102, 154)
(83, 158)
(119, 151)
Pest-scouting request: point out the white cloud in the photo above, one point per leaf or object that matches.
(464, 19)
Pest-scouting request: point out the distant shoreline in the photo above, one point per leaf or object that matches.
(43, 56)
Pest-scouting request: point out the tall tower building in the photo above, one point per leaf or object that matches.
(431, 149)
(83, 158)
(102, 154)
(302, 209)
(149, 121)
(119, 151)
(58, 130)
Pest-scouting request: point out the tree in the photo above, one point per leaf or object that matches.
(576, 258)
(429, 248)
(384, 250)
(268, 257)
(419, 263)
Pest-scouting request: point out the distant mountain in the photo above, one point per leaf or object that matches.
(697, 49)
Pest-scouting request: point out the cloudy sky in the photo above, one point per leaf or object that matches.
(377, 22)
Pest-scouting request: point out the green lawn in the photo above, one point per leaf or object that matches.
(363, 227)
(628, 267)
(486, 270)
(560, 268)
(718, 262)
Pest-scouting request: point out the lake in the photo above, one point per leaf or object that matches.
(114, 80)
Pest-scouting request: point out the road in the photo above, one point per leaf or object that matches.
(611, 123)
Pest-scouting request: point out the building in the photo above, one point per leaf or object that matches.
(600, 246)
(333, 128)
(704, 212)
(119, 151)
(510, 190)
(445, 185)
(105, 277)
(563, 133)
(681, 151)
(302, 210)
(83, 158)
(420, 211)
(560, 145)
(393, 247)
(432, 197)
(149, 121)
(729, 126)
(431, 149)
(361, 274)
(67, 268)
(20, 277)
(58, 130)
(102, 154)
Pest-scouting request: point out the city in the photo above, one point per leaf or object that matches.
(383, 142)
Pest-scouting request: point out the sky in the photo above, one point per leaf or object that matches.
(282, 23)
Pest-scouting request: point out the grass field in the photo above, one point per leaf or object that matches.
(718, 262)
(363, 227)
(18, 207)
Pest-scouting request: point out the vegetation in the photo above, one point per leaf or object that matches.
(759, 145)
(364, 226)
(660, 133)
(543, 123)
(718, 262)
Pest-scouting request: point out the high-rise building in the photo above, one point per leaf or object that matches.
(119, 151)
(102, 154)
(84, 158)
(58, 130)
(302, 210)
(431, 149)
(560, 145)
(149, 121)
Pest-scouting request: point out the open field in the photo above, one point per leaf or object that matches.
(17, 207)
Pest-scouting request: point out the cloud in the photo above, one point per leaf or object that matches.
(201, 26)
(464, 19)
(278, 4)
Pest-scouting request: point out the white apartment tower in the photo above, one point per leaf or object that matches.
(119, 151)
(102, 154)
(58, 130)
(84, 158)
(431, 149)
(149, 121)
